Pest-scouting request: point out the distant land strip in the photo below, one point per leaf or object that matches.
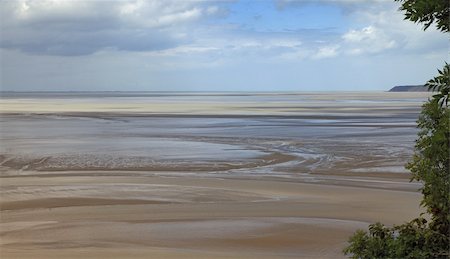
(409, 88)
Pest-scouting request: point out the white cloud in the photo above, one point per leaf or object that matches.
(387, 29)
(358, 36)
(182, 50)
(380, 28)
(326, 52)
(368, 40)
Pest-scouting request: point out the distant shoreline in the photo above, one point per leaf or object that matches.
(409, 88)
(8, 93)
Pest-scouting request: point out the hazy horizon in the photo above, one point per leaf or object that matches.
(190, 91)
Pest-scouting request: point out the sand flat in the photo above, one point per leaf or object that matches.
(282, 219)
(202, 175)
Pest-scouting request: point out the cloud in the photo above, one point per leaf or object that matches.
(326, 52)
(67, 27)
(173, 44)
(368, 40)
(409, 36)
(386, 29)
(376, 27)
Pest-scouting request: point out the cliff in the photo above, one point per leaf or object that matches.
(409, 88)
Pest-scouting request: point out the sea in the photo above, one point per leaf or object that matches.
(228, 134)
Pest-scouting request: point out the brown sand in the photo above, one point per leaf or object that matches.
(191, 217)
(76, 201)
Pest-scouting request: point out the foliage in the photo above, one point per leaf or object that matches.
(430, 165)
(411, 240)
(428, 12)
(431, 162)
(441, 83)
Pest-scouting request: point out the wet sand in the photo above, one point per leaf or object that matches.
(194, 217)
(279, 181)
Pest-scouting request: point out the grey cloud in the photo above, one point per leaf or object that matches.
(84, 43)
(85, 27)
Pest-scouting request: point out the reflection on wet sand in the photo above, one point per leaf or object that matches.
(203, 175)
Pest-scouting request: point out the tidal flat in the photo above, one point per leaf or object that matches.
(202, 175)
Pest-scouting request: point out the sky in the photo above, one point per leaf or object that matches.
(180, 45)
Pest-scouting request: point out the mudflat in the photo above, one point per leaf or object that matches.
(169, 217)
(202, 176)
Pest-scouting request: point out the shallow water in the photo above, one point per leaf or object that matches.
(246, 133)
(201, 175)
